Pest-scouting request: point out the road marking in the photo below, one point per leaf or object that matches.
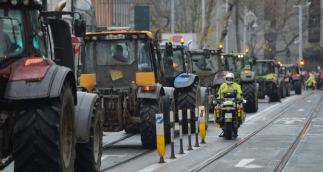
(291, 120)
(244, 164)
(309, 101)
(178, 156)
(119, 156)
(300, 110)
(267, 109)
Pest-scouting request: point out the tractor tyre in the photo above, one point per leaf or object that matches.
(44, 134)
(275, 95)
(148, 110)
(298, 87)
(251, 95)
(282, 89)
(88, 155)
(189, 98)
(167, 104)
(288, 89)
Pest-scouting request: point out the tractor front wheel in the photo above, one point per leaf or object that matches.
(44, 134)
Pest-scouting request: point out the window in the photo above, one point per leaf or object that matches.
(144, 62)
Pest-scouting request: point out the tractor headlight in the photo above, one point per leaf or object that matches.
(26, 2)
(14, 2)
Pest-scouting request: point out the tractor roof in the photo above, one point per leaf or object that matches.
(121, 32)
(288, 65)
(232, 54)
(177, 45)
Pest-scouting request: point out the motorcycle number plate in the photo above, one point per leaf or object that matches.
(228, 115)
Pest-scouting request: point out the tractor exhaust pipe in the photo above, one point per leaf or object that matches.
(60, 6)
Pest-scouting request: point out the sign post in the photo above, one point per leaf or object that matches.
(160, 136)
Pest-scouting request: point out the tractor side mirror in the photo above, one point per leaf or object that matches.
(206, 53)
(169, 48)
(79, 27)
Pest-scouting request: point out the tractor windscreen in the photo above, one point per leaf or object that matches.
(12, 35)
(262, 68)
(116, 62)
(233, 63)
(206, 65)
(173, 65)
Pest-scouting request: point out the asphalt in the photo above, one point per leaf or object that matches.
(262, 152)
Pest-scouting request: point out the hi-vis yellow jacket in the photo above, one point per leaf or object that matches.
(225, 87)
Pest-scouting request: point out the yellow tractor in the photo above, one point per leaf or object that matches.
(120, 66)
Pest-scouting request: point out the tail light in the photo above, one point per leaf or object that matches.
(185, 76)
(148, 88)
(239, 108)
(32, 61)
(246, 72)
(217, 111)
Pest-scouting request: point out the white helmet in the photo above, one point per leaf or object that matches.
(311, 74)
(229, 78)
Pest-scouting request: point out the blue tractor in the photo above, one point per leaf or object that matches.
(188, 93)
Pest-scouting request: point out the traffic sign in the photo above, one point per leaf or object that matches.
(177, 38)
(76, 43)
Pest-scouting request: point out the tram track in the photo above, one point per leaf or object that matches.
(288, 154)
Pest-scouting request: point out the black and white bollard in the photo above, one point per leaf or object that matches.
(172, 156)
(180, 117)
(196, 127)
(160, 137)
(189, 129)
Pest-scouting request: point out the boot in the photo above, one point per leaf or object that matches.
(222, 134)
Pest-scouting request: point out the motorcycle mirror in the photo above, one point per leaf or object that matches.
(244, 101)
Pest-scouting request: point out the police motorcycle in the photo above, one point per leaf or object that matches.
(229, 113)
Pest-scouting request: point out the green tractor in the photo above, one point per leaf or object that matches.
(271, 83)
(207, 65)
(237, 63)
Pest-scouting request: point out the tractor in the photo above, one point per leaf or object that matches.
(237, 63)
(207, 64)
(188, 91)
(271, 83)
(46, 124)
(292, 77)
(120, 66)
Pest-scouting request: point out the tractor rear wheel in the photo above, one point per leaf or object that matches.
(44, 134)
(298, 87)
(250, 94)
(189, 98)
(288, 89)
(88, 155)
(148, 110)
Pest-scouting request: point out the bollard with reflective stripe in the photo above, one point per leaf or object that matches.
(189, 129)
(180, 117)
(197, 128)
(172, 156)
(202, 123)
(160, 136)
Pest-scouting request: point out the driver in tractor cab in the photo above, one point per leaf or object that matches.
(4, 39)
(118, 55)
(229, 86)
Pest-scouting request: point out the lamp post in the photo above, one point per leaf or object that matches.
(300, 32)
(248, 18)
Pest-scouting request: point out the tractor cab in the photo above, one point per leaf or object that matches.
(117, 59)
(173, 58)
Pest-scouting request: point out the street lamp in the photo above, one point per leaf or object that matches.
(300, 32)
(251, 17)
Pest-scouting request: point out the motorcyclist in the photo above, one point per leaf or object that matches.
(310, 80)
(229, 86)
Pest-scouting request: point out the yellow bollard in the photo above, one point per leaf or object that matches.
(202, 123)
(160, 137)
